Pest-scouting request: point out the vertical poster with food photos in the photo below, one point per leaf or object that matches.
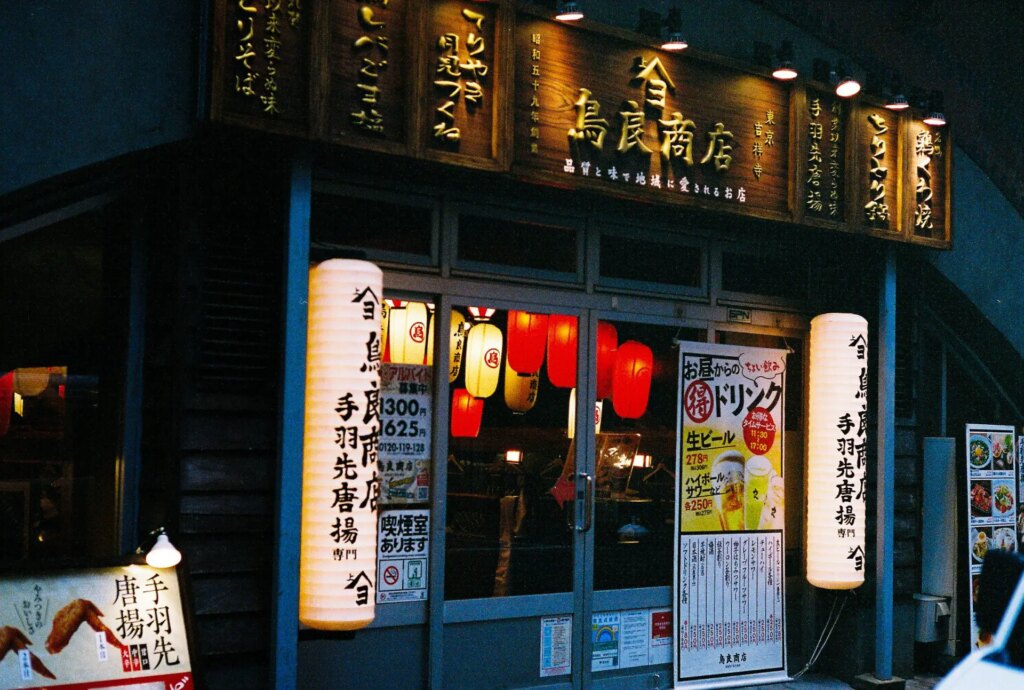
(991, 499)
(729, 575)
(404, 450)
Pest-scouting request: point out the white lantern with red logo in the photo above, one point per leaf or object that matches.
(483, 360)
(407, 333)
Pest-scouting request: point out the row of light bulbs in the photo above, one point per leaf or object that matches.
(783, 69)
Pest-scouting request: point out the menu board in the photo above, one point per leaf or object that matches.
(108, 627)
(992, 496)
(729, 574)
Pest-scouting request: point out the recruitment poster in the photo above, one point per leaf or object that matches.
(117, 627)
(991, 500)
(404, 451)
(729, 574)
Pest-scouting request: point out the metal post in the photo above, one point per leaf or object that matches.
(886, 477)
(284, 640)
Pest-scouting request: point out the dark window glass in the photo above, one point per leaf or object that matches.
(761, 274)
(628, 258)
(371, 224)
(62, 306)
(518, 244)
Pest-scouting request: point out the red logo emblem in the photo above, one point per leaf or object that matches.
(698, 401)
(417, 332)
(492, 358)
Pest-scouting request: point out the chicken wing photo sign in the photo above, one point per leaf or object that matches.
(107, 627)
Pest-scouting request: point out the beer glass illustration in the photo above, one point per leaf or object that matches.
(773, 516)
(727, 482)
(757, 471)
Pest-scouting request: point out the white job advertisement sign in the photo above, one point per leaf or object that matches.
(404, 451)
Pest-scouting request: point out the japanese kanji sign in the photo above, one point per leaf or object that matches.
(729, 581)
(113, 627)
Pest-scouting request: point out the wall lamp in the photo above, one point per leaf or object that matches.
(896, 99)
(784, 69)
(568, 11)
(846, 85)
(935, 116)
(674, 26)
(162, 554)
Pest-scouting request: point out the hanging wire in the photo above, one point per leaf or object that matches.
(838, 603)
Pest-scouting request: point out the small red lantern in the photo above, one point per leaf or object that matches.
(607, 343)
(6, 401)
(562, 334)
(631, 380)
(467, 413)
(527, 335)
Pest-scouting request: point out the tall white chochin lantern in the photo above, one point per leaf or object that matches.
(837, 451)
(340, 481)
(483, 359)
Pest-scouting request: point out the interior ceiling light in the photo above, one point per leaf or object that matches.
(568, 11)
(846, 85)
(935, 117)
(674, 26)
(784, 70)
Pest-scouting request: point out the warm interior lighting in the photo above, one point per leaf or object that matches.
(568, 11)
(836, 435)
(513, 457)
(784, 69)
(481, 313)
(641, 460)
(338, 509)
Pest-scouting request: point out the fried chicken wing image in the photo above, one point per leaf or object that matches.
(68, 620)
(12, 638)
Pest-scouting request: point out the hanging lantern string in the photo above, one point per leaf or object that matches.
(838, 604)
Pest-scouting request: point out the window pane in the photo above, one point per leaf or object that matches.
(517, 244)
(510, 490)
(634, 504)
(371, 224)
(629, 258)
(774, 276)
(61, 351)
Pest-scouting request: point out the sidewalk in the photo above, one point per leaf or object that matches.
(813, 681)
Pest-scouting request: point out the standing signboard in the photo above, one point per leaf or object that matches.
(121, 627)
(991, 500)
(729, 564)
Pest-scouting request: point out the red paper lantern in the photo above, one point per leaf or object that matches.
(527, 335)
(467, 413)
(607, 344)
(562, 334)
(6, 401)
(631, 380)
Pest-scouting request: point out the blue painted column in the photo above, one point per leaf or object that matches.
(886, 477)
(284, 637)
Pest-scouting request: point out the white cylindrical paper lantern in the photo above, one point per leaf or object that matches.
(340, 480)
(456, 345)
(837, 451)
(483, 359)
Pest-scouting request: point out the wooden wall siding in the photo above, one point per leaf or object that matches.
(219, 415)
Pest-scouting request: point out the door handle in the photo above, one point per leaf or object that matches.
(588, 502)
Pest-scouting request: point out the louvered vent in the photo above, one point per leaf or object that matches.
(905, 364)
(239, 327)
